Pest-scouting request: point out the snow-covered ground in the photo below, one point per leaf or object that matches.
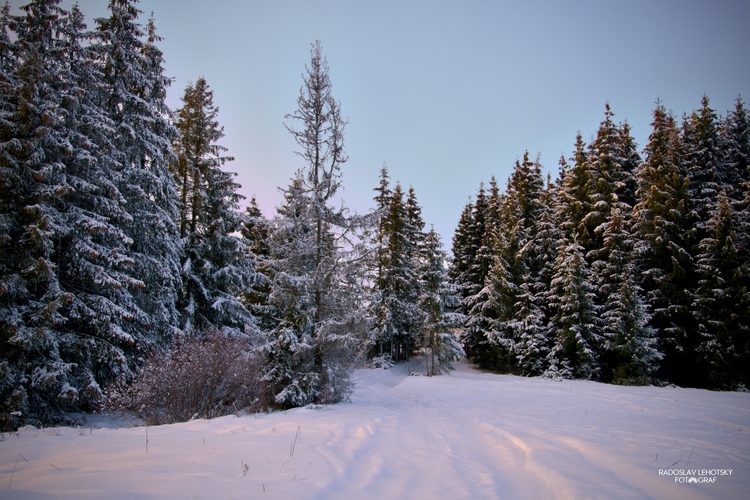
(466, 435)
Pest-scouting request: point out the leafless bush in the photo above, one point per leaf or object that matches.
(197, 378)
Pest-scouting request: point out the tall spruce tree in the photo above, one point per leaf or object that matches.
(435, 301)
(722, 302)
(661, 224)
(314, 257)
(136, 88)
(476, 260)
(577, 343)
(630, 354)
(516, 264)
(255, 230)
(702, 158)
(395, 319)
(379, 338)
(735, 132)
(216, 265)
(37, 376)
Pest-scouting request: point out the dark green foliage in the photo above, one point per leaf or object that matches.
(650, 259)
(216, 265)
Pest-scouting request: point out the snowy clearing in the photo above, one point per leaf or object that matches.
(466, 435)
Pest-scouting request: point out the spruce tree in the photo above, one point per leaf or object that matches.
(475, 264)
(630, 354)
(38, 378)
(629, 337)
(736, 147)
(661, 224)
(702, 159)
(379, 338)
(314, 258)
(573, 203)
(577, 342)
(435, 301)
(628, 160)
(608, 160)
(135, 89)
(255, 230)
(396, 320)
(216, 265)
(462, 256)
(722, 303)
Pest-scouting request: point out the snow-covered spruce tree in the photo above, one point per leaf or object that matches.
(314, 258)
(415, 239)
(533, 313)
(722, 302)
(701, 147)
(36, 376)
(628, 160)
(523, 208)
(736, 161)
(380, 334)
(629, 336)
(661, 226)
(95, 261)
(217, 265)
(436, 297)
(462, 256)
(255, 229)
(573, 202)
(577, 341)
(474, 243)
(60, 87)
(630, 355)
(134, 100)
(611, 161)
(492, 309)
(396, 318)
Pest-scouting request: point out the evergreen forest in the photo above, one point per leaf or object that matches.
(123, 242)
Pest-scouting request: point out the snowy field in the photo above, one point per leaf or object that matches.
(466, 435)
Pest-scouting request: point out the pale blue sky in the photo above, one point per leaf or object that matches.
(446, 93)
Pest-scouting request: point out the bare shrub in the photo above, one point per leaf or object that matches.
(197, 378)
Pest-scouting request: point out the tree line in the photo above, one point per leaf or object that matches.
(627, 268)
(126, 263)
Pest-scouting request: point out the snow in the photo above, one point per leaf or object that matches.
(465, 435)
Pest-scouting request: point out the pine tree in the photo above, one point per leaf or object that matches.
(435, 297)
(630, 345)
(476, 260)
(629, 336)
(577, 342)
(38, 374)
(216, 264)
(135, 89)
(722, 303)
(661, 224)
(736, 160)
(702, 158)
(314, 259)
